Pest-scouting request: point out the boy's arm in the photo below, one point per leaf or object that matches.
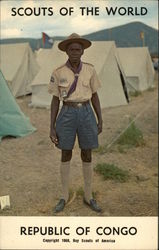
(54, 111)
(96, 105)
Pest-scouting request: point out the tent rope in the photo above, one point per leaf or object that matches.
(137, 116)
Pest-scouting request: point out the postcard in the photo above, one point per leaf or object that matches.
(78, 124)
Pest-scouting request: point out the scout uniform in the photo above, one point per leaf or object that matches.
(82, 119)
(62, 78)
(74, 87)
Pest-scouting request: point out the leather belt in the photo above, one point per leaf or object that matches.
(76, 104)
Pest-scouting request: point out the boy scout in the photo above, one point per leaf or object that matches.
(75, 83)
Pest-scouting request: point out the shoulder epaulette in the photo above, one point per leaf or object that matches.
(60, 67)
(88, 64)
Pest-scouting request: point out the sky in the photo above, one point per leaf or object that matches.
(59, 24)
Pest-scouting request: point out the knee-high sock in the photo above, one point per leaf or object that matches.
(87, 175)
(65, 172)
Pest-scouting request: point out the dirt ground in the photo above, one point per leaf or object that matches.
(30, 175)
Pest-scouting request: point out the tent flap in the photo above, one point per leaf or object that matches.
(13, 122)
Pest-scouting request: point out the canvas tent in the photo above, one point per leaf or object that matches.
(48, 59)
(102, 55)
(138, 67)
(40, 95)
(12, 120)
(19, 67)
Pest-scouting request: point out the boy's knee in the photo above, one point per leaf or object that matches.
(66, 155)
(86, 155)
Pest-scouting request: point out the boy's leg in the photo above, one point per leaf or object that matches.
(86, 156)
(66, 156)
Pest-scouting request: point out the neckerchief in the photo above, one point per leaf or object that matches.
(76, 74)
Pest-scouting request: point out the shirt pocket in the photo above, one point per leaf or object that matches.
(86, 85)
(86, 81)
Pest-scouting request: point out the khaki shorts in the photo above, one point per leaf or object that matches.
(79, 121)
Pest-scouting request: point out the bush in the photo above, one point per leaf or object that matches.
(132, 136)
(112, 172)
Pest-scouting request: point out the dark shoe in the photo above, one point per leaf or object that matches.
(93, 205)
(60, 206)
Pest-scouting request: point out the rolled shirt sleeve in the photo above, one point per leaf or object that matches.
(95, 83)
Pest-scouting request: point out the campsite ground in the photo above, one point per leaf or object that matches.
(30, 165)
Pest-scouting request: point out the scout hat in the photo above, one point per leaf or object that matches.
(74, 38)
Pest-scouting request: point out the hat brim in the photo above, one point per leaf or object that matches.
(85, 43)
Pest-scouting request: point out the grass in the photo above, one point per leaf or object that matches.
(123, 148)
(102, 149)
(132, 137)
(112, 172)
(135, 93)
(151, 88)
(80, 193)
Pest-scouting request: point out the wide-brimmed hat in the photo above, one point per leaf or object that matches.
(74, 38)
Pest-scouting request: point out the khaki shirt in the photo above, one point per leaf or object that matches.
(63, 77)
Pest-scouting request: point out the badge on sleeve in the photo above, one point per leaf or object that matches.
(52, 80)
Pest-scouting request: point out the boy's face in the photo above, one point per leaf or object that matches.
(74, 52)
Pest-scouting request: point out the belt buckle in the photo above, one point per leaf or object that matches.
(79, 105)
